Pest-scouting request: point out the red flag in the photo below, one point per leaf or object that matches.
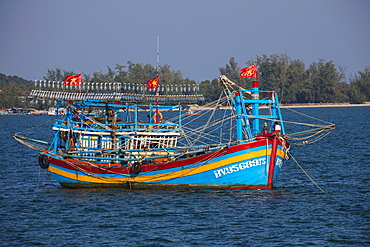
(73, 80)
(153, 83)
(250, 71)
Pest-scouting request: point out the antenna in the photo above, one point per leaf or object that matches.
(157, 53)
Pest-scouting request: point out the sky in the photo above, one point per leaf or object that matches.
(196, 37)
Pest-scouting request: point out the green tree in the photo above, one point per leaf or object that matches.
(138, 73)
(57, 74)
(14, 91)
(295, 78)
(210, 90)
(121, 74)
(231, 70)
(325, 80)
(356, 96)
(363, 82)
(361, 87)
(272, 72)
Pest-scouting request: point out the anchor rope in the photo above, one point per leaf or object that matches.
(42, 183)
(306, 173)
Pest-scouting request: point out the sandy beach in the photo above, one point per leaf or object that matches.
(309, 105)
(196, 107)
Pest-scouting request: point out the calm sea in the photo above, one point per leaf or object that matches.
(294, 213)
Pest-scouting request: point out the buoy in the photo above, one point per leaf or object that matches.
(44, 161)
(136, 168)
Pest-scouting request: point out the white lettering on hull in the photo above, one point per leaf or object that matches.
(239, 167)
(279, 163)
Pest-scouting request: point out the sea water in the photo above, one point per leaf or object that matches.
(37, 212)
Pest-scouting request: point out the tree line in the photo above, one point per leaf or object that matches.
(320, 82)
(14, 91)
(132, 73)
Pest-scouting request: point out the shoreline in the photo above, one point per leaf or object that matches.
(297, 105)
(312, 105)
(200, 108)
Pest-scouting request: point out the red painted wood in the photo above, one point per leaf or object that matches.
(272, 162)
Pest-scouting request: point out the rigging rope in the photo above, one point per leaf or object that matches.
(32, 143)
(308, 116)
(208, 122)
(33, 127)
(321, 136)
(285, 121)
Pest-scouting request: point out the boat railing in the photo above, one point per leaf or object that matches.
(160, 127)
(121, 127)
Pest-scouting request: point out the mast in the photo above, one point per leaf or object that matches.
(156, 90)
(239, 120)
(157, 53)
(255, 106)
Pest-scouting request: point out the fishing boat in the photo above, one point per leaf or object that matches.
(53, 111)
(124, 140)
(192, 113)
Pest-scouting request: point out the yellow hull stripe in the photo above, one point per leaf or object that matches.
(165, 176)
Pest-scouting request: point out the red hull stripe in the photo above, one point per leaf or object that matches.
(100, 168)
